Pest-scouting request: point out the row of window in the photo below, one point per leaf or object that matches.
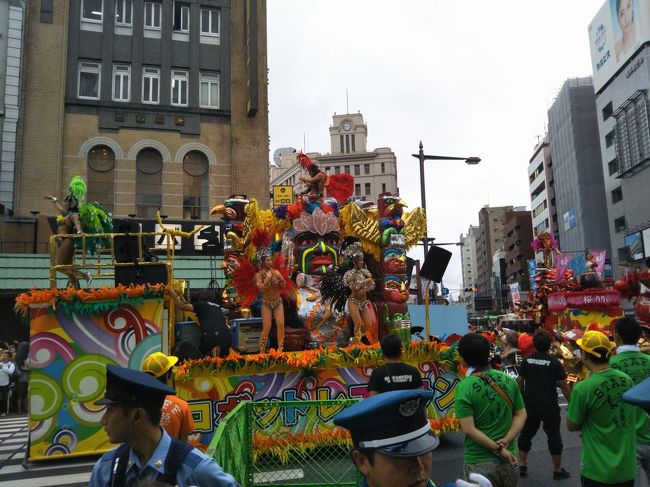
(89, 85)
(148, 181)
(93, 11)
(348, 143)
(357, 169)
(367, 189)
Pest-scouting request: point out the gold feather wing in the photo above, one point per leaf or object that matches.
(415, 226)
(357, 224)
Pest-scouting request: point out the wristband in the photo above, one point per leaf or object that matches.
(54, 200)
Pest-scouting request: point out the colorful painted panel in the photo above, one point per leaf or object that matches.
(211, 398)
(69, 354)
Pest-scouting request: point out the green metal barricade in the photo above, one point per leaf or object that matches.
(285, 443)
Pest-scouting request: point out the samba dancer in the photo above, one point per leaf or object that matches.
(360, 282)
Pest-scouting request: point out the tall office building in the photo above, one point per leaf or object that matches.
(374, 171)
(489, 239)
(468, 263)
(577, 168)
(158, 105)
(518, 239)
(621, 73)
(542, 190)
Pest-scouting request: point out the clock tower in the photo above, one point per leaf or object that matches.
(348, 134)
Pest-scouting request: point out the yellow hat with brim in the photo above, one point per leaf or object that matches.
(595, 343)
(157, 364)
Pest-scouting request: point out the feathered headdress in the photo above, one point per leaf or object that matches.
(76, 191)
(355, 249)
(304, 161)
(261, 240)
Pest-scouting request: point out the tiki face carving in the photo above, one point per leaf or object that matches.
(394, 289)
(314, 253)
(393, 261)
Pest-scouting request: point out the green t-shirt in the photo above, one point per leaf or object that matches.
(492, 415)
(637, 366)
(608, 440)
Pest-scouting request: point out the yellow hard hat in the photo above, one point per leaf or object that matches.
(596, 343)
(157, 364)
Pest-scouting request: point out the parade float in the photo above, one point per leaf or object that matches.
(291, 255)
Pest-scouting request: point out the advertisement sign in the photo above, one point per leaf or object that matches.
(569, 220)
(616, 32)
(282, 195)
(646, 241)
(531, 274)
(634, 247)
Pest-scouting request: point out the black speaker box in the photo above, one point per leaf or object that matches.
(435, 264)
(186, 351)
(188, 332)
(141, 274)
(126, 247)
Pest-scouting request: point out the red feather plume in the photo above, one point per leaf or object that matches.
(244, 282)
(295, 209)
(340, 186)
(260, 237)
(280, 264)
(304, 161)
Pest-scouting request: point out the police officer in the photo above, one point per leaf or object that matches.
(392, 440)
(133, 402)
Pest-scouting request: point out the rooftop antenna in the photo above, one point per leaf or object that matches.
(347, 102)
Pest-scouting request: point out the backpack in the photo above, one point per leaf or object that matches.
(178, 450)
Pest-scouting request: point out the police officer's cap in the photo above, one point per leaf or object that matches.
(394, 423)
(127, 386)
(639, 395)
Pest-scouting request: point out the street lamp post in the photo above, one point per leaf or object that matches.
(472, 161)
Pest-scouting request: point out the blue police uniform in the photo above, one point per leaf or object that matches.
(197, 469)
(184, 466)
(393, 423)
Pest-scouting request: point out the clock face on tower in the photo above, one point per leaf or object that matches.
(347, 125)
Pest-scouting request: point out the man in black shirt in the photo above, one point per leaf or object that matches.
(215, 332)
(394, 375)
(539, 376)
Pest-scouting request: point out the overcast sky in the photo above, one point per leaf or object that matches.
(467, 77)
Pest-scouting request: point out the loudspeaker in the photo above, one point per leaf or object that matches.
(435, 264)
(186, 351)
(126, 247)
(141, 274)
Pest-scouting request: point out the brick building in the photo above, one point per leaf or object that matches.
(158, 105)
(518, 239)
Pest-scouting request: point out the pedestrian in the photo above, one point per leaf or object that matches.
(176, 416)
(392, 440)
(491, 411)
(525, 340)
(215, 332)
(636, 364)
(7, 369)
(133, 403)
(394, 375)
(539, 377)
(606, 422)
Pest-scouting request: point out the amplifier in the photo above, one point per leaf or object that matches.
(246, 334)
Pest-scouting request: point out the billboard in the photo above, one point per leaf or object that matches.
(646, 241)
(634, 247)
(615, 33)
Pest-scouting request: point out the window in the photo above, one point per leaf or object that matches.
(617, 194)
(337, 169)
(353, 145)
(357, 190)
(181, 17)
(195, 185)
(121, 77)
(609, 139)
(347, 143)
(89, 80)
(367, 189)
(210, 22)
(342, 144)
(152, 15)
(148, 183)
(383, 167)
(612, 166)
(91, 10)
(150, 85)
(357, 170)
(622, 254)
(124, 12)
(620, 225)
(383, 187)
(327, 169)
(366, 169)
(632, 132)
(101, 176)
(209, 91)
(179, 87)
(347, 169)
(607, 111)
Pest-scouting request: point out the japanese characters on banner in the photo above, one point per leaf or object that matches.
(588, 300)
(211, 397)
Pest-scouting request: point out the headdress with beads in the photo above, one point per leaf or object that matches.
(261, 240)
